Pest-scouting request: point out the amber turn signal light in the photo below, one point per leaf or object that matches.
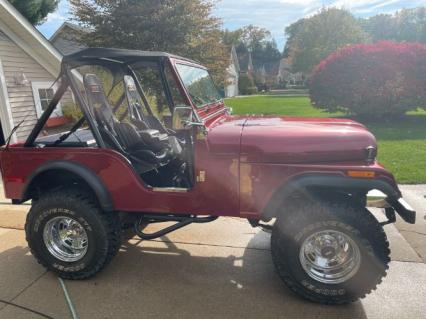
(362, 174)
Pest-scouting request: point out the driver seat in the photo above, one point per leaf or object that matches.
(138, 114)
(121, 136)
(141, 116)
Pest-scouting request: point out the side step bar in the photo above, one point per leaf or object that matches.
(181, 221)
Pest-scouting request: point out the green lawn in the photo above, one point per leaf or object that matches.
(402, 143)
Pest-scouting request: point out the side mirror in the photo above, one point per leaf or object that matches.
(183, 118)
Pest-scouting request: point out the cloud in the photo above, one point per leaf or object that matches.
(273, 15)
(55, 19)
(270, 14)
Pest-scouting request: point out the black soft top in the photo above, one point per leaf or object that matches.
(111, 55)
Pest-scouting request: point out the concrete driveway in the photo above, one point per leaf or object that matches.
(415, 234)
(217, 270)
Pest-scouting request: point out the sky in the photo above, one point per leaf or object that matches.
(273, 15)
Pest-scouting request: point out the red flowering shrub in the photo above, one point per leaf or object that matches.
(382, 79)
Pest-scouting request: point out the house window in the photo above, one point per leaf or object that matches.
(43, 93)
(45, 96)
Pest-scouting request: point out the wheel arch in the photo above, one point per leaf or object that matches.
(320, 185)
(57, 173)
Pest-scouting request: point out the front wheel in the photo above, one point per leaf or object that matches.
(330, 253)
(70, 235)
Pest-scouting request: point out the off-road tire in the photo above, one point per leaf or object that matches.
(302, 219)
(102, 229)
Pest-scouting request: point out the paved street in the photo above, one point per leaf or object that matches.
(217, 270)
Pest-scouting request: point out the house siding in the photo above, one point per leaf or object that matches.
(231, 89)
(15, 61)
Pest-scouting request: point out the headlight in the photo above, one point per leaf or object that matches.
(371, 153)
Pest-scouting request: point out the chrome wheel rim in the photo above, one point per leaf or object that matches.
(330, 257)
(65, 238)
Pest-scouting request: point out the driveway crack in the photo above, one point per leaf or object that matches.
(11, 228)
(408, 261)
(413, 231)
(25, 289)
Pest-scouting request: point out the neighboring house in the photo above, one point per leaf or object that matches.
(284, 71)
(233, 74)
(266, 75)
(285, 76)
(67, 39)
(245, 61)
(29, 66)
(250, 67)
(262, 75)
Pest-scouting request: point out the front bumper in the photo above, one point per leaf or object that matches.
(403, 209)
(399, 205)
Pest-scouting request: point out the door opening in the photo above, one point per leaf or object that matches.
(2, 141)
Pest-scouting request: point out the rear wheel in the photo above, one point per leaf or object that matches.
(70, 235)
(330, 253)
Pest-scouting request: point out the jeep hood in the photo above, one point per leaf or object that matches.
(303, 140)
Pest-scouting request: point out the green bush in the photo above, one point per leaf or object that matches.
(252, 90)
(72, 111)
(246, 84)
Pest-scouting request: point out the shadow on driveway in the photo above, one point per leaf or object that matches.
(165, 280)
(162, 279)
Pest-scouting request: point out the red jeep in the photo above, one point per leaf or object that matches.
(156, 143)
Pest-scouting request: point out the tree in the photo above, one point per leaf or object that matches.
(406, 25)
(254, 36)
(314, 38)
(266, 53)
(382, 79)
(291, 32)
(380, 27)
(256, 40)
(411, 25)
(183, 27)
(246, 85)
(231, 38)
(35, 11)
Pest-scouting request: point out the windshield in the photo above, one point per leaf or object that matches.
(199, 85)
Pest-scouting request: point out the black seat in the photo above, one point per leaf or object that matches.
(143, 117)
(138, 113)
(139, 146)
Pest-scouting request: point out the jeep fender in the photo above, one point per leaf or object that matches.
(326, 181)
(93, 181)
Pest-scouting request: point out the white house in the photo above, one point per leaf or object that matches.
(233, 73)
(29, 65)
(286, 76)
